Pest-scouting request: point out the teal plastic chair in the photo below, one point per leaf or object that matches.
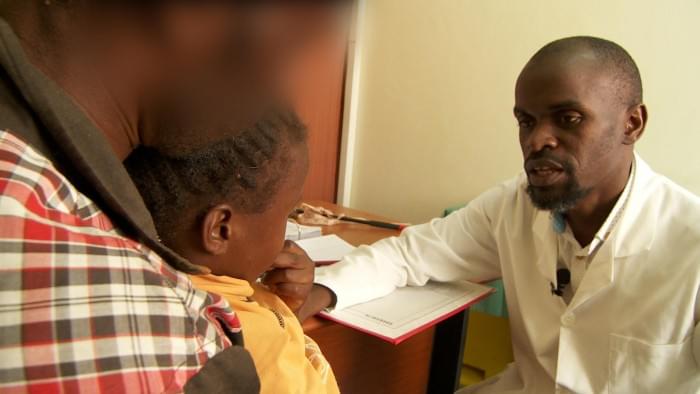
(487, 348)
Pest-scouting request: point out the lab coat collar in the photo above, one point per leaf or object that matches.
(634, 235)
(637, 228)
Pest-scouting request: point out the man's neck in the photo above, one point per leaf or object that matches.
(586, 222)
(591, 213)
(60, 56)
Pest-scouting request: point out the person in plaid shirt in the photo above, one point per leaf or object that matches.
(83, 307)
(90, 300)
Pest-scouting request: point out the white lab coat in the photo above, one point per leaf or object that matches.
(632, 326)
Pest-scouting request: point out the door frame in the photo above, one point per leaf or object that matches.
(352, 105)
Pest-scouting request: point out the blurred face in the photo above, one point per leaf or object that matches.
(260, 39)
(258, 238)
(224, 54)
(571, 126)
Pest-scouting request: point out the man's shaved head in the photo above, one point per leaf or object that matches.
(611, 58)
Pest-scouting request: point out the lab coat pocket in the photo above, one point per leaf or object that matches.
(640, 367)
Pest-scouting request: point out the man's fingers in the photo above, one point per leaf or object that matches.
(292, 248)
(288, 276)
(292, 290)
(288, 260)
(292, 256)
(273, 277)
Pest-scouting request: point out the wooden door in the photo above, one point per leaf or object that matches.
(318, 95)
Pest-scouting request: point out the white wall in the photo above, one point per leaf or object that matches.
(435, 125)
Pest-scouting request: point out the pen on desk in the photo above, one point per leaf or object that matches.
(373, 223)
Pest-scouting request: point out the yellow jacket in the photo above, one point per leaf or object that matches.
(286, 360)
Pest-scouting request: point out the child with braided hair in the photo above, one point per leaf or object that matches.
(225, 206)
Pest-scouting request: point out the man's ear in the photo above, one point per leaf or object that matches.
(636, 122)
(217, 229)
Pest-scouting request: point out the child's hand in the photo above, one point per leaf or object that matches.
(292, 276)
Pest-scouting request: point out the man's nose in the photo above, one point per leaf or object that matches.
(542, 136)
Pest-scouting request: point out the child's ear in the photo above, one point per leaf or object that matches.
(636, 122)
(217, 229)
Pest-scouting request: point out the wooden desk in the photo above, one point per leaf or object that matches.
(364, 364)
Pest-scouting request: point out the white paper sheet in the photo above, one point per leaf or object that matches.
(326, 249)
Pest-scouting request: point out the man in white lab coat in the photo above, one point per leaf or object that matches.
(600, 256)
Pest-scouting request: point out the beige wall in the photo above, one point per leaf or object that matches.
(436, 92)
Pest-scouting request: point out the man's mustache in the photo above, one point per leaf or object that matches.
(542, 157)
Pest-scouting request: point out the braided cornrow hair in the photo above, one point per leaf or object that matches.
(245, 168)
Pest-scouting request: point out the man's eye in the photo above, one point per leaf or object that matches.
(571, 119)
(524, 123)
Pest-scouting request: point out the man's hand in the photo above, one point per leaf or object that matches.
(292, 276)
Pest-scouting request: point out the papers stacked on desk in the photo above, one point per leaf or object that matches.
(410, 310)
(322, 249)
(296, 231)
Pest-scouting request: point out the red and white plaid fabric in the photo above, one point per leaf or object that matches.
(83, 308)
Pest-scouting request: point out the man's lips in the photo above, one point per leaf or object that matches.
(543, 172)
